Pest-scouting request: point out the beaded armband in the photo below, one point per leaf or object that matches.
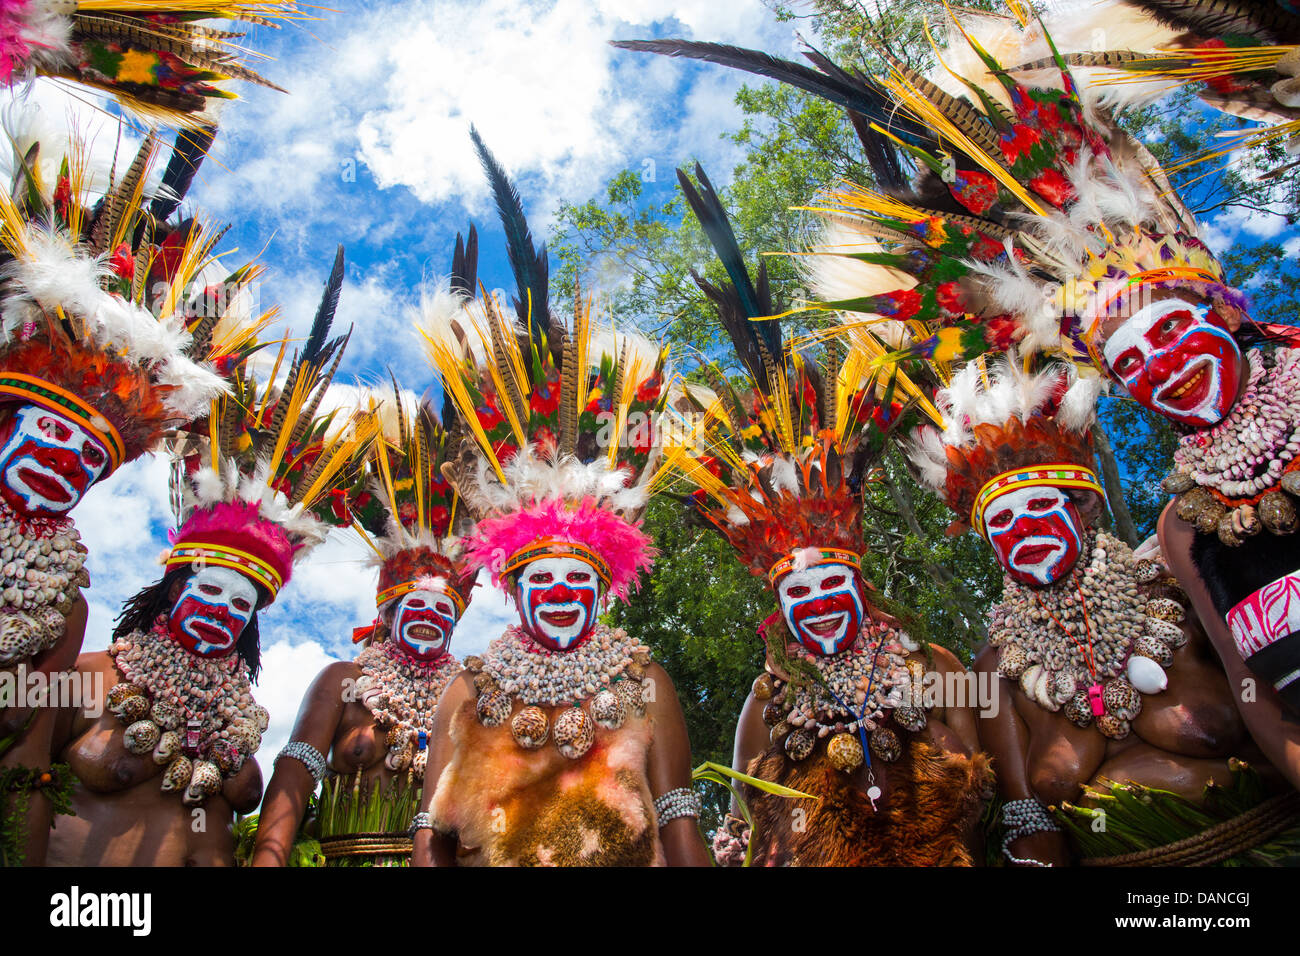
(681, 802)
(307, 755)
(1021, 818)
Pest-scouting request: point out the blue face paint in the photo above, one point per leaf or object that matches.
(558, 599)
(212, 610)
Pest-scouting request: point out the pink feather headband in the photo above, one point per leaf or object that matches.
(620, 545)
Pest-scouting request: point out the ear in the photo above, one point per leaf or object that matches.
(174, 593)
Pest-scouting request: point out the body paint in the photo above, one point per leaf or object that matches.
(558, 599)
(47, 462)
(212, 610)
(1178, 359)
(1036, 533)
(822, 606)
(422, 624)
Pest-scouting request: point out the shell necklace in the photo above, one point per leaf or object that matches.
(1093, 643)
(1240, 474)
(402, 694)
(856, 689)
(607, 668)
(195, 714)
(41, 567)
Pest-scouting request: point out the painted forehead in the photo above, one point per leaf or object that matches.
(225, 578)
(29, 417)
(559, 567)
(816, 574)
(435, 596)
(1132, 333)
(1018, 499)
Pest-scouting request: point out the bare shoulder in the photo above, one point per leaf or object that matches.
(945, 661)
(336, 672)
(91, 662)
(986, 659)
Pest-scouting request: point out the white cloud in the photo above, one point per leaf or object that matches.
(395, 88)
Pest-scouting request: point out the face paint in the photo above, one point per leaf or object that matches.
(1178, 359)
(47, 462)
(423, 622)
(822, 606)
(1036, 533)
(557, 601)
(212, 611)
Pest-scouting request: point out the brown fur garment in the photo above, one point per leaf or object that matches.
(933, 801)
(514, 807)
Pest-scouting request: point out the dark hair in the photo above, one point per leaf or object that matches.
(154, 601)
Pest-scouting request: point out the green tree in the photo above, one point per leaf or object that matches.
(700, 608)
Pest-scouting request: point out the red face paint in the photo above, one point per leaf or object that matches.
(1178, 359)
(422, 624)
(822, 606)
(558, 599)
(47, 462)
(1036, 533)
(212, 611)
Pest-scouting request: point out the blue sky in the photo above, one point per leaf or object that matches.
(370, 149)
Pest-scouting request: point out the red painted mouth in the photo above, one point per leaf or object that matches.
(1036, 553)
(1189, 390)
(560, 618)
(424, 632)
(45, 486)
(210, 633)
(825, 628)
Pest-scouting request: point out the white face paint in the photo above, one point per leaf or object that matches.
(423, 622)
(822, 606)
(212, 611)
(558, 599)
(48, 462)
(1178, 359)
(1034, 531)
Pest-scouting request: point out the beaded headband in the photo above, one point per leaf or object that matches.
(64, 403)
(406, 587)
(220, 555)
(1057, 474)
(552, 547)
(824, 556)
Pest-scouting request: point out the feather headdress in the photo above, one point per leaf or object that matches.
(1032, 218)
(779, 462)
(561, 450)
(408, 511)
(1001, 426)
(154, 56)
(261, 480)
(1242, 55)
(108, 314)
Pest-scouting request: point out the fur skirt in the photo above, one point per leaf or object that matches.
(933, 805)
(509, 806)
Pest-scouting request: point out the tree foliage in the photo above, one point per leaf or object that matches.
(700, 608)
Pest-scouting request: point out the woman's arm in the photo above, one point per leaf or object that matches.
(292, 783)
(431, 848)
(670, 769)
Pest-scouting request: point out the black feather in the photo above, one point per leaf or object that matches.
(187, 154)
(529, 265)
(464, 264)
(851, 92)
(882, 156)
(317, 349)
(741, 300)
